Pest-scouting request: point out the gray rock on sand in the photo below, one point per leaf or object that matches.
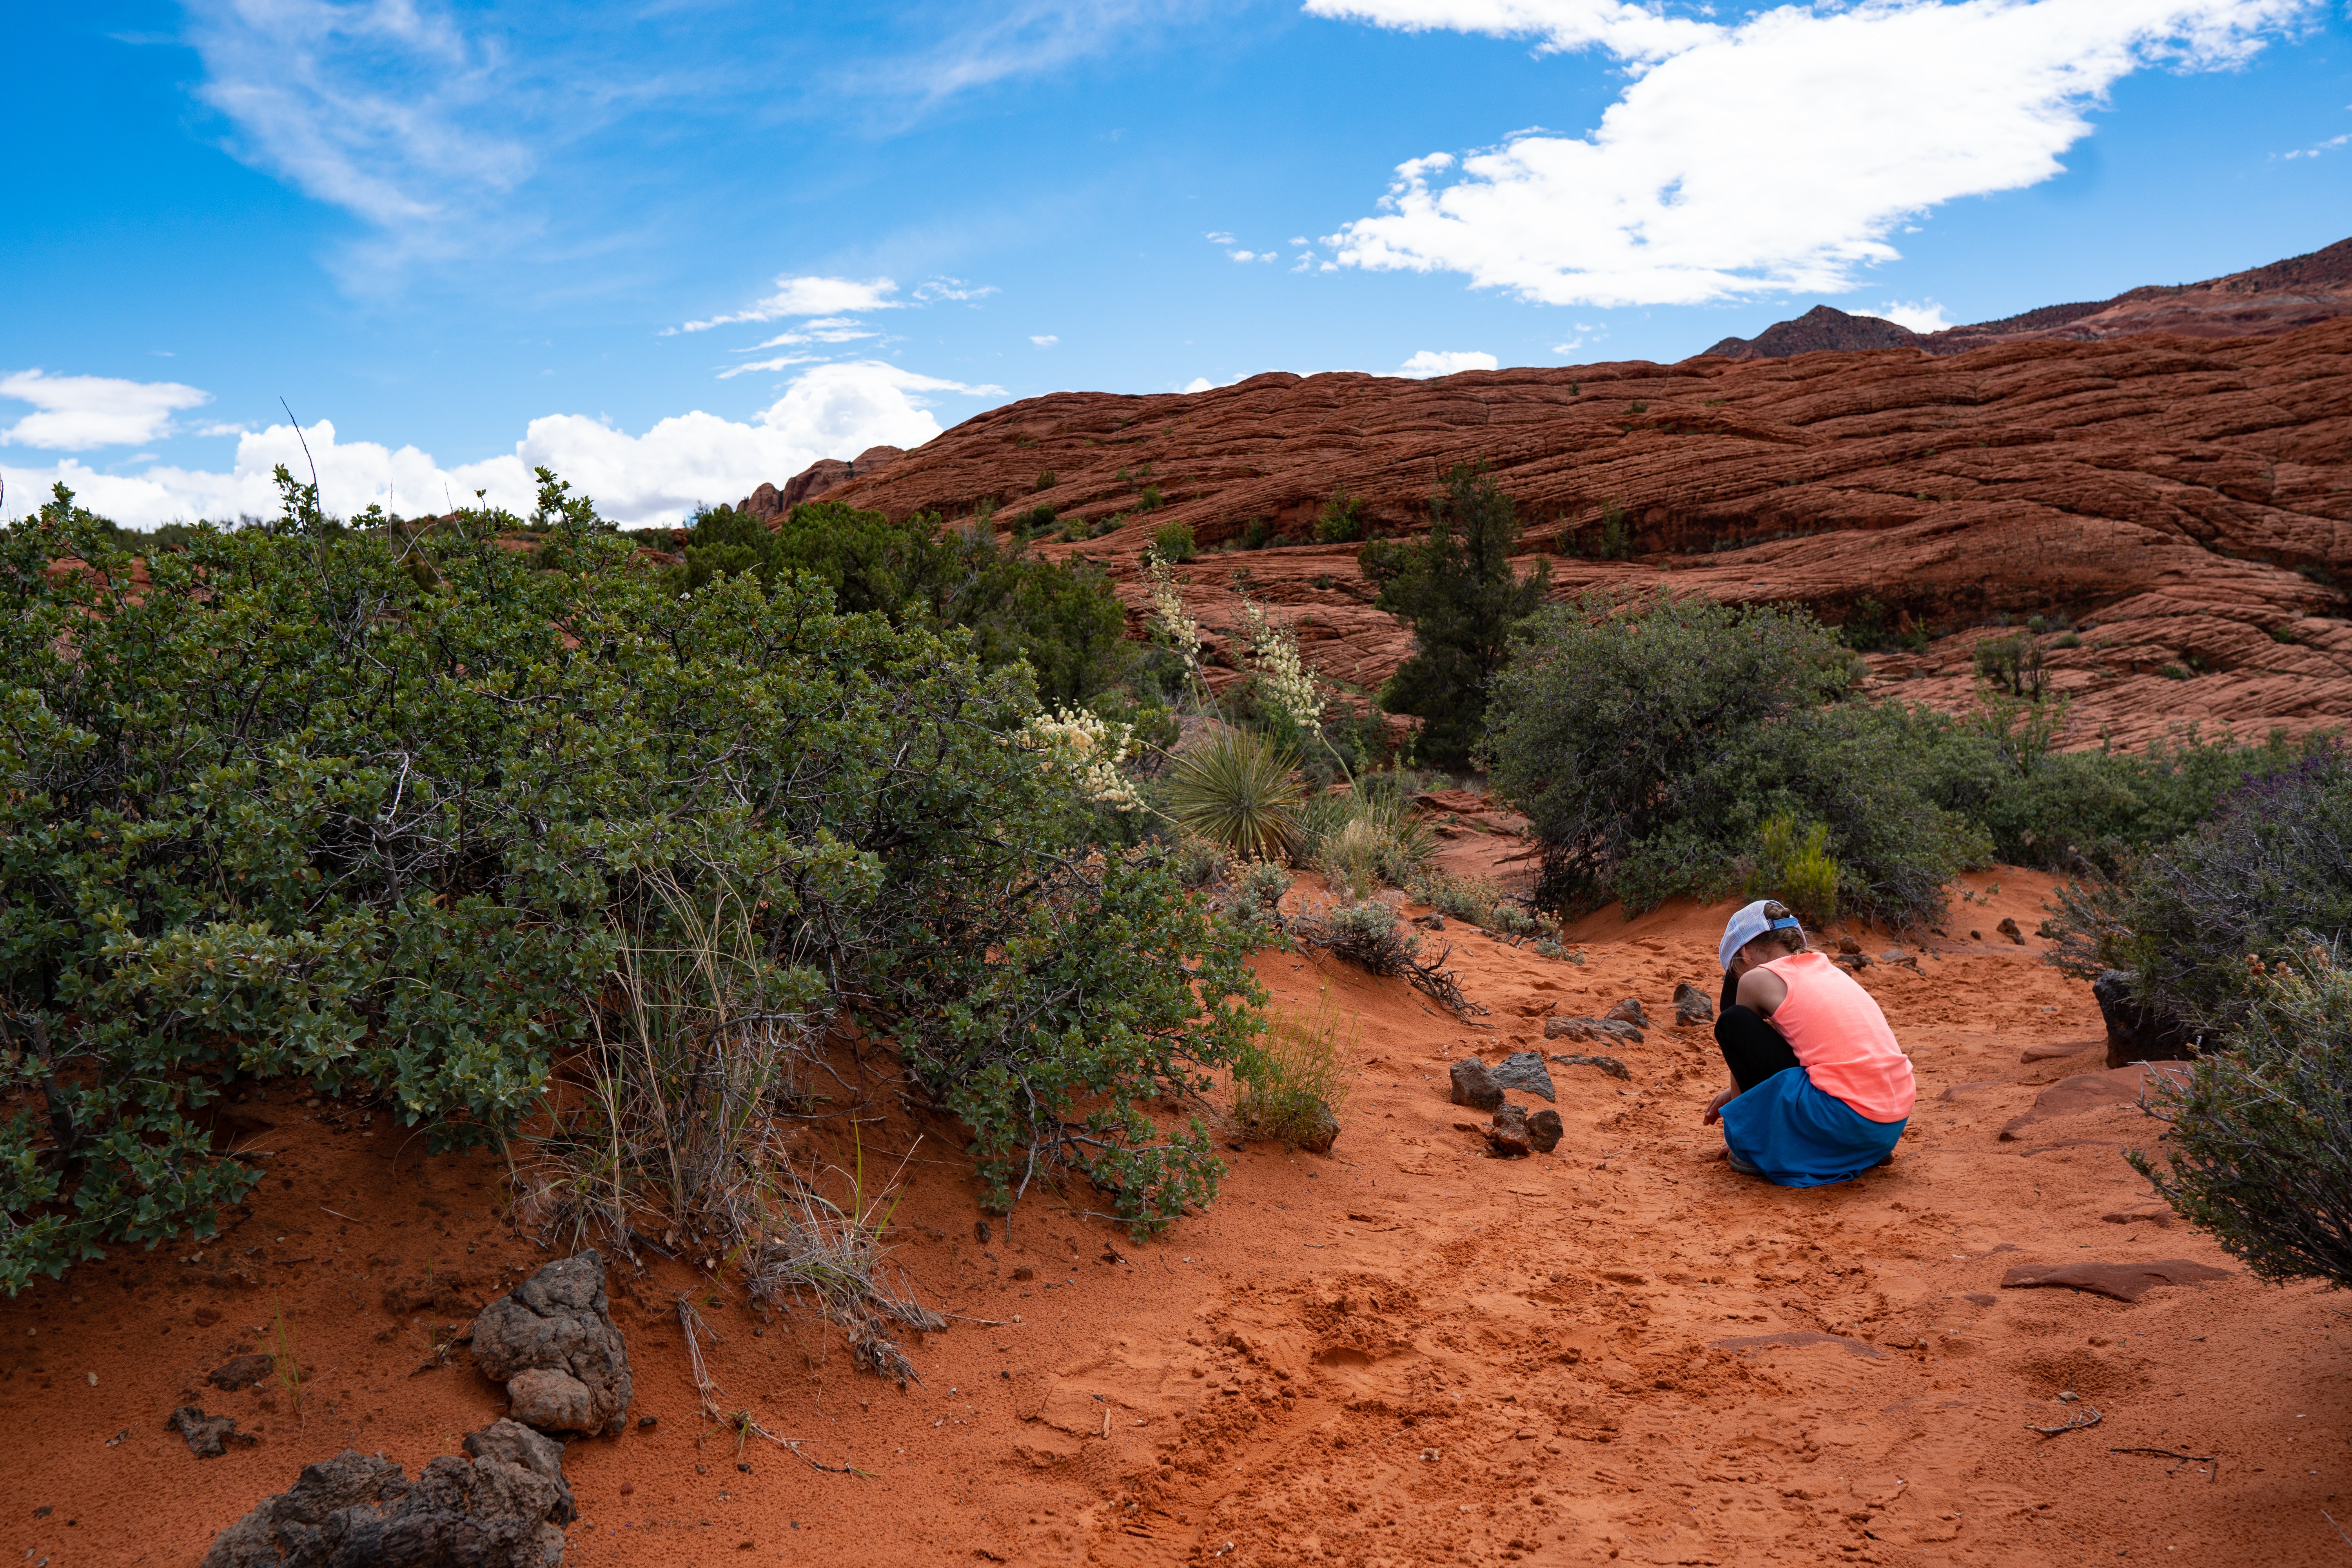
(551, 1342)
(1525, 1071)
(1474, 1086)
(1603, 1031)
(504, 1506)
(1691, 1004)
(209, 1437)
(1629, 1011)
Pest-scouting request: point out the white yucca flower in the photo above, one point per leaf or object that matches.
(1283, 675)
(1168, 609)
(1087, 748)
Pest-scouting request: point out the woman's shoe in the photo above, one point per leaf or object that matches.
(1742, 1163)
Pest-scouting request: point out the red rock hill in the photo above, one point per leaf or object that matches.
(2186, 502)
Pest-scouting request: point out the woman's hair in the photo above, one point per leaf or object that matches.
(1790, 938)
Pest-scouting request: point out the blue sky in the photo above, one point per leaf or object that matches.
(677, 246)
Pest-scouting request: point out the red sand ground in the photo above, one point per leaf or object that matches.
(1405, 1353)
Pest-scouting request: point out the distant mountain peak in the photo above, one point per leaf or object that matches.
(2299, 291)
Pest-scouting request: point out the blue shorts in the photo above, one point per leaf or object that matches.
(1797, 1136)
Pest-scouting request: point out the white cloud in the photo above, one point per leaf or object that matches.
(1218, 237)
(1925, 316)
(752, 367)
(1777, 154)
(809, 296)
(1046, 341)
(1200, 383)
(2328, 146)
(1431, 362)
(952, 288)
(826, 330)
(79, 412)
(830, 411)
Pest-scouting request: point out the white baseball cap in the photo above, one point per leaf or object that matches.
(1749, 923)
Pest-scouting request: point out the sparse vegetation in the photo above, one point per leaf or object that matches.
(1173, 541)
(1297, 1086)
(1340, 520)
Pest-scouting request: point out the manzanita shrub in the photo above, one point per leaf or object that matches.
(374, 806)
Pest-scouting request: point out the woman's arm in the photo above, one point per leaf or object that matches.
(1761, 991)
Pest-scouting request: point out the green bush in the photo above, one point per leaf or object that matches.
(1340, 520)
(289, 811)
(1794, 865)
(1235, 789)
(1649, 739)
(2268, 873)
(2259, 1145)
(2014, 662)
(1174, 540)
(1456, 589)
(1063, 619)
(1369, 936)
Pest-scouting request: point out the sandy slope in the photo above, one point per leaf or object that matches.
(1406, 1353)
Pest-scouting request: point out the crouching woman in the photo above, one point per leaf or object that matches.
(1819, 1090)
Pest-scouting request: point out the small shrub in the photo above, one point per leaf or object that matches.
(1866, 628)
(1198, 863)
(1340, 520)
(1369, 936)
(1174, 541)
(1263, 882)
(1298, 1085)
(2284, 633)
(1235, 789)
(1045, 481)
(2259, 1151)
(1639, 409)
(1616, 539)
(2067, 639)
(1794, 865)
(1111, 524)
(2174, 672)
(2013, 663)
(1149, 498)
(1347, 858)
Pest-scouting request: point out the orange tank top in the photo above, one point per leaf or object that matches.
(1841, 1038)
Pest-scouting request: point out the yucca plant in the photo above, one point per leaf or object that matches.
(1236, 790)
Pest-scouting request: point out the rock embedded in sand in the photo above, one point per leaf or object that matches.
(1508, 1136)
(209, 1437)
(1691, 1005)
(1474, 1086)
(1605, 1031)
(505, 1508)
(1609, 1065)
(1629, 1011)
(240, 1372)
(2156, 1211)
(553, 1342)
(2122, 1282)
(2008, 928)
(1321, 1132)
(1525, 1071)
(2082, 1093)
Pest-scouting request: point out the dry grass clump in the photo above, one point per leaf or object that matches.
(699, 1045)
(1298, 1088)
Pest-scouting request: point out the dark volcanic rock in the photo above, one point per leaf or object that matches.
(503, 1508)
(1525, 1071)
(1474, 1086)
(240, 1372)
(209, 1437)
(551, 1342)
(1508, 1136)
(1602, 1029)
(1544, 1129)
(1629, 1011)
(1691, 1005)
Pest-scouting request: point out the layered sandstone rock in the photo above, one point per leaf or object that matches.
(2185, 503)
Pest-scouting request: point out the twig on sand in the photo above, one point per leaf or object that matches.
(2169, 1454)
(2086, 1417)
(2339, 1529)
(992, 1323)
(740, 1422)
